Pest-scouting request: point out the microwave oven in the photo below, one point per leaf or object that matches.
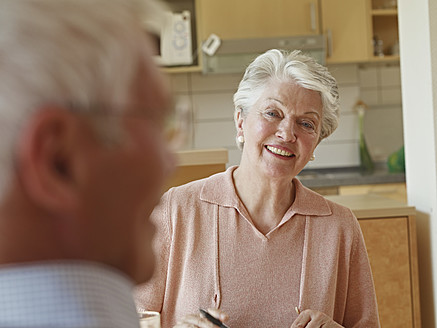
(175, 43)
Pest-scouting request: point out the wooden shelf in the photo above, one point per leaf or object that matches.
(193, 7)
(182, 69)
(384, 12)
(387, 58)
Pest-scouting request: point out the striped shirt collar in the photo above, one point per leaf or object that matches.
(65, 294)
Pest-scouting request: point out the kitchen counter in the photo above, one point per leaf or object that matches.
(197, 164)
(202, 157)
(333, 177)
(373, 206)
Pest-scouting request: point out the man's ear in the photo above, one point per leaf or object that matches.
(45, 158)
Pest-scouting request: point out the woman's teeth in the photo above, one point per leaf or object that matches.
(279, 151)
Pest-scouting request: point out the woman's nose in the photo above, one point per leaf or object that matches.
(287, 131)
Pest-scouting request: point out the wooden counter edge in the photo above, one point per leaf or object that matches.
(373, 206)
(202, 157)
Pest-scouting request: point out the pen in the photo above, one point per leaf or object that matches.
(211, 319)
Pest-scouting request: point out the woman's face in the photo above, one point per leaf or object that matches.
(281, 130)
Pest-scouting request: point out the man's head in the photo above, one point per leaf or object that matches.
(82, 154)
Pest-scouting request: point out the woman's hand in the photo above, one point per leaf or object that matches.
(314, 319)
(197, 321)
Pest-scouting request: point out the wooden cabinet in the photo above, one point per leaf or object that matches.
(389, 231)
(346, 25)
(388, 246)
(353, 27)
(385, 29)
(239, 19)
(350, 27)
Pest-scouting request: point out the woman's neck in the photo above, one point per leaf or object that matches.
(266, 199)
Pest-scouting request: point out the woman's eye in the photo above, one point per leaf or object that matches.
(308, 125)
(271, 113)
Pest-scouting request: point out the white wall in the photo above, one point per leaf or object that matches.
(377, 85)
(418, 48)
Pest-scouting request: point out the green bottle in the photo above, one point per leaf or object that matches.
(366, 163)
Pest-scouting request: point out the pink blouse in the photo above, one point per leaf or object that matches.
(209, 254)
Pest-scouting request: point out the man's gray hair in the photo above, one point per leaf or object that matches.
(71, 53)
(293, 67)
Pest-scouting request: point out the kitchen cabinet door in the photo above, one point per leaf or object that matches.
(389, 230)
(347, 27)
(391, 246)
(238, 19)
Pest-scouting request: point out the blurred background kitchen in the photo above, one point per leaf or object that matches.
(208, 44)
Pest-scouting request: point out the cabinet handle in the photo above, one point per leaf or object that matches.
(313, 16)
(329, 41)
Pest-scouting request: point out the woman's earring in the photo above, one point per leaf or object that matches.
(313, 157)
(240, 139)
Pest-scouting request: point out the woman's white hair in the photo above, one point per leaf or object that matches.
(293, 67)
(72, 53)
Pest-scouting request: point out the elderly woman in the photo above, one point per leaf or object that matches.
(253, 241)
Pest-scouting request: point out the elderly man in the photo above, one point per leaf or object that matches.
(82, 160)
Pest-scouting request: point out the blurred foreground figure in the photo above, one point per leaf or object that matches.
(82, 160)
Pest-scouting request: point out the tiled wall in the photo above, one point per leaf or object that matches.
(377, 85)
(381, 90)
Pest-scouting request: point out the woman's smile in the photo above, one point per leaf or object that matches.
(280, 152)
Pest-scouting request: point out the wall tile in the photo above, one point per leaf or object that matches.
(234, 155)
(383, 131)
(370, 96)
(213, 125)
(213, 106)
(214, 134)
(215, 82)
(344, 74)
(347, 128)
(368, 77)
(179, 83)
(185, 101)
(390, 76)
(391, 96)
(349, 95)
(336, 155)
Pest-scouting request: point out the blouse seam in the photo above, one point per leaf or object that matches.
(304, 262)
(217, 296)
